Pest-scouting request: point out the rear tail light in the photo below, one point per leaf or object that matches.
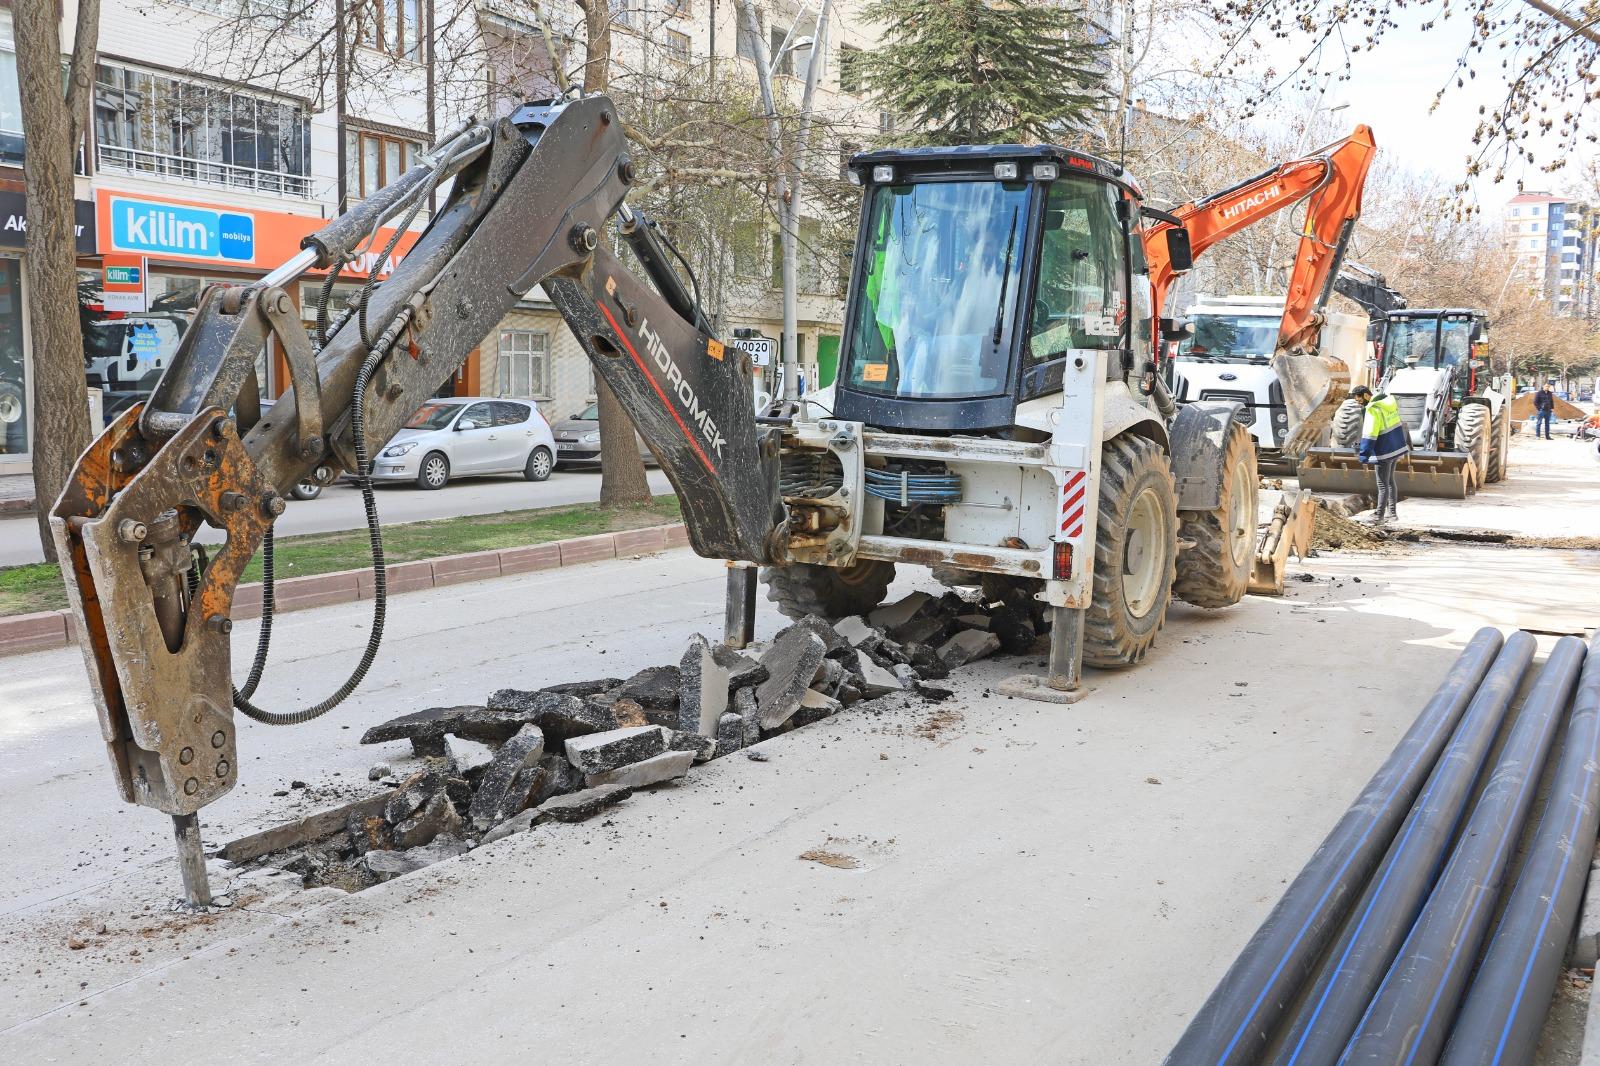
(1062, 565)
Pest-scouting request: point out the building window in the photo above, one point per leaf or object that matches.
(394, 27)
(625, 12)
(196, 131)
(524, 364)
(680, 8)
(849, 69)
(10, 97)
(373, 160)
(519, 65)
(886, 122)
(677, 46)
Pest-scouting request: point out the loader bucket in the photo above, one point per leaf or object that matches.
(1313, 387)
(1435, 475)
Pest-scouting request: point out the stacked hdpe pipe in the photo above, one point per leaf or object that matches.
(1386, 948)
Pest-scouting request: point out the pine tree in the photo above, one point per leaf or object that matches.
(983, 71)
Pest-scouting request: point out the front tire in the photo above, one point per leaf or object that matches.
(1472, 436)
(1135, 557)
(434, 473)
(1499, 444)
(1216, 571)
(830, 592)
(540, 463)
(1347, 425)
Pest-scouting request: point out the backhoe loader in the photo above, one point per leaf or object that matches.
(999, 409)
(1435, 363)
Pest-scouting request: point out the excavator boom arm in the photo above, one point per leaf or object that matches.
(531, 201)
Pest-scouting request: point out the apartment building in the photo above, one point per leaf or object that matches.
(1555, 240)
(215, 145)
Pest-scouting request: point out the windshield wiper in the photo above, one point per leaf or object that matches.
(1005, 279)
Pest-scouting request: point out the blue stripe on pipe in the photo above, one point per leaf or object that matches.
(1283, 961)
(1550, 906)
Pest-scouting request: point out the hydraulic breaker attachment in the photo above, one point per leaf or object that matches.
(1440, 475)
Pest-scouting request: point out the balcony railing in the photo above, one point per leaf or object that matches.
(203, 171)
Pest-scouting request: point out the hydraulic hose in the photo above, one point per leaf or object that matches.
(1367, 945)
(1244, 1010)
(1504, 1012)
(1410, 1015)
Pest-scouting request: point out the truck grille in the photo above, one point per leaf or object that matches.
(1245, 414)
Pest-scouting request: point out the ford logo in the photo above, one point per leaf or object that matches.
(1228, 377)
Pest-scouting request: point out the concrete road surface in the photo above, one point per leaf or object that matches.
(339, 506)
(1014, 882)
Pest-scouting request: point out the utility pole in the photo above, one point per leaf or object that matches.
(788, 165)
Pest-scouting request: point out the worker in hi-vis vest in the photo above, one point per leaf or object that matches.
(1383, 441)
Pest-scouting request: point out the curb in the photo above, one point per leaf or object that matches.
(55, 629)
(16, 507)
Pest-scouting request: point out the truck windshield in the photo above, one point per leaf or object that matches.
(938, 288)
(1231, 338)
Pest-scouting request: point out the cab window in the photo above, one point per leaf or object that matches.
(1081, 299)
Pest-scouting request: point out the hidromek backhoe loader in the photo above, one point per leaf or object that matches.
(1000, 410)
(1435, 363)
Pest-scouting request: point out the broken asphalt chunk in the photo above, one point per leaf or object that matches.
(655, 689)
(598, 752)
(585, 688)
(437, 818)
(503, 790)
(652, 771)
(386, 865)
(831, 640)
(557, 715)
(892, 615)
(702, 689)
(517, 823)
(702, 748)
(742, 670)
(792, 661)
(580, 805)
(967, 646)
(730, 733)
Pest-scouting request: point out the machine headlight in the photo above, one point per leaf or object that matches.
(1005, 172)
(590, 438)
(395, 451)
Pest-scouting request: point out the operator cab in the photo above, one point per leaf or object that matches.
(978, 272)
(1435, 338)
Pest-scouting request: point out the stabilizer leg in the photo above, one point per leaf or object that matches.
(1063, 680)
(739, 618)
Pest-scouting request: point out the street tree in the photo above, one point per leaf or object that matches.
(979, 72)
(53, 110)
(1543, 56)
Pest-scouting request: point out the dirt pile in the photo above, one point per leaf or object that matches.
(1522, 408)
(1332, 532)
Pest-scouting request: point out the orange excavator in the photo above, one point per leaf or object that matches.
(1330, 182)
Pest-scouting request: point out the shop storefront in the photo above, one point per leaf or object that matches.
(16, 356)
(159, 254)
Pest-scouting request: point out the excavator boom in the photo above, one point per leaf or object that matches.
(532, 197)
(1330, 182)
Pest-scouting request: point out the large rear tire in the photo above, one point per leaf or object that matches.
(1347, 425)
(1135, 558)
(831, 592)
(1472, 436)
(1500, 443)
(1216, 571)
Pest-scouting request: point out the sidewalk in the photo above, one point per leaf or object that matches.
(16, 494)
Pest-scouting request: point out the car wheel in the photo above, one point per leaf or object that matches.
(309, 488)
(539, 464)
(434, 473)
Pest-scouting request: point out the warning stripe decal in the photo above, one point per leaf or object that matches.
(1072, 503)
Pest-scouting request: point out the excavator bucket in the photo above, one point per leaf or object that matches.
(1313, 388)
(1436, 475)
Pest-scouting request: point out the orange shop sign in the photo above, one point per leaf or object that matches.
(189, 231)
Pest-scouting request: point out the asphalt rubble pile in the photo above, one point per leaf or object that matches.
(567, 752)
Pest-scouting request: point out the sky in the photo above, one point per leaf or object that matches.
(1392, 90)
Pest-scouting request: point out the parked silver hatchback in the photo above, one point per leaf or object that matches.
(468, 435)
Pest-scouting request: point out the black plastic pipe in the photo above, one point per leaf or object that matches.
(1244, 1009)
(1325, 1019)
(1504, 1011)
(1412, 1012)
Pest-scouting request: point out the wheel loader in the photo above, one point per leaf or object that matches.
(1435, 363)
(999, 411)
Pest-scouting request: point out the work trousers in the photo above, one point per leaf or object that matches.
(1387, 497)
(1541, 424)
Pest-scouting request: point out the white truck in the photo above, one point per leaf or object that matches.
(1228, 356)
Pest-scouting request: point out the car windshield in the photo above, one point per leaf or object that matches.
(433, 416)
(1234, 338)
(589, 414)
(941, 279)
